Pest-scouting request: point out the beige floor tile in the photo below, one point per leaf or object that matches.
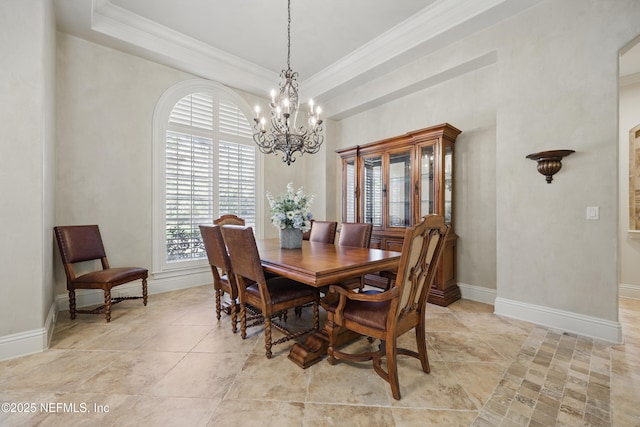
(270, 379)
(180, 338)
(203, 375)
(316, 415)
(132, 372)
(462, 347)
(250, 413)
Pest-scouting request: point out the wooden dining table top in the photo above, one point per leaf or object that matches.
(320, 264)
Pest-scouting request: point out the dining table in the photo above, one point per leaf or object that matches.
(321, 264)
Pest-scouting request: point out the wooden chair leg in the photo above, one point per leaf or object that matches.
(267, 335)
(332, 331)
(107, 304)
(392, 368)
(218, 293)
(421, 341)
(144, 292)
(316, 316)
(243, 320)
(234, 316)
(72, 304)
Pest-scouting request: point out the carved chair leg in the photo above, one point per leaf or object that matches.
(218, 293)
(316, 316)
(332, 332)
(267, 336)
(72, 304)
(144, 292)
(234, 316)
(243, 320)
(107, 304)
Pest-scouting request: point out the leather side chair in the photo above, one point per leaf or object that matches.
(224, 280)
(80, 243)
(272, 297)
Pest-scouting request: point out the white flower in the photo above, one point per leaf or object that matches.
(291, 210)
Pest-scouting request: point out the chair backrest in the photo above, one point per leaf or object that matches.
(323, 231)
(215, 247)
(355, 234)
(421, 252)
(243, 252)
(79, 243)
(307, 234)
(228, 219)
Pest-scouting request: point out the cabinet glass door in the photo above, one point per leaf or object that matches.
(448, 183)
(372, 190)
(349, 191)
(427, 186)
(399, 189)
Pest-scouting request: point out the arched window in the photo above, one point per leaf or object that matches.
(206, 165)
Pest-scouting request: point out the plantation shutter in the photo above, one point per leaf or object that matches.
(189, 175)
(236, 165)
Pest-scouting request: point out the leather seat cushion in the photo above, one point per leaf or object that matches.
(111, 275)
(282, 289)
(371, 314)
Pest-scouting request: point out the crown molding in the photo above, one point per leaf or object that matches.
(441, 23)
(176, 49)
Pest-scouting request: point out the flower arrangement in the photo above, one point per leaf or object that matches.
(291, 210)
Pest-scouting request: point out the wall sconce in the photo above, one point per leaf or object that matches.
(549, 162)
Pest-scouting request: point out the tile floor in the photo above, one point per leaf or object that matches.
(173, 363)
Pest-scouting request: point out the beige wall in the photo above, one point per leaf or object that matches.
(26, 176)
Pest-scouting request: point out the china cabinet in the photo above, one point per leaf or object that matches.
(392, 183)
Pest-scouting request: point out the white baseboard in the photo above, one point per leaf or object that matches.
(580, 324)
(629, 291)
(29, 342)
(478, 293)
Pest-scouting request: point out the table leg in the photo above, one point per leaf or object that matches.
(315, 346)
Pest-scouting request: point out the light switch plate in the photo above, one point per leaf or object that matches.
(593, 212)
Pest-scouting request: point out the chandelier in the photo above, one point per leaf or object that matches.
(285, 135)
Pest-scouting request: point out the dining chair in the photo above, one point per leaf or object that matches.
(229, 219)
(323, 231)
(389, 314)
(271, 297)
(224, 280)
(355, 234)
(81, 243)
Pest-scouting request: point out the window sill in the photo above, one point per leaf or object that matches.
(184, 271)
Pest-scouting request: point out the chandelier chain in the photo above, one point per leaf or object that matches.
(289, 35)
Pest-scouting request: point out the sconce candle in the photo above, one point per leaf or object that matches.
(549, 162)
